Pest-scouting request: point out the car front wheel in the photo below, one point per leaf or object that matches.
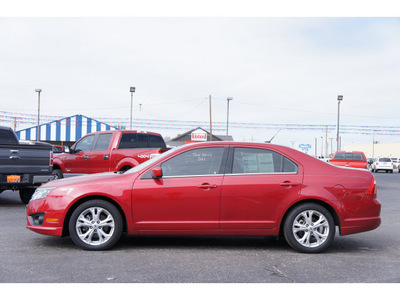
(309, 228)
(96, 225)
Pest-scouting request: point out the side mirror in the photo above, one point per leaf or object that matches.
(156, 173)
(66, 149)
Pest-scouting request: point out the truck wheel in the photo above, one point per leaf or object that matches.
(95, 225)
(58, 174)
(26, 194)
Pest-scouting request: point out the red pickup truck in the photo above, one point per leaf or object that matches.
(108, 151)
(352, 159)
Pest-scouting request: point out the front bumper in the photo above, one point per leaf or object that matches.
(42, 219)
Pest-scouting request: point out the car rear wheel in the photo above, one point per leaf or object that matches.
(95, 225)
(309, 228)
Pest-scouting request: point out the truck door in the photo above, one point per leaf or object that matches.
(77, 161)
(99, 157)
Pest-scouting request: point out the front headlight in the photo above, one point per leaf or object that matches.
(41, 193)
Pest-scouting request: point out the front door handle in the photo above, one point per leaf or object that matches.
(207, 186)
(288, 183)
(86, 157)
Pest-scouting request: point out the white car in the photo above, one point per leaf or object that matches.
(384, 164)
(395, 162)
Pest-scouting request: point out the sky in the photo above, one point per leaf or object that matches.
(280, 70)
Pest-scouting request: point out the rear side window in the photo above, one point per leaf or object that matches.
(156, 141)
(349, 156)
(103, 141)
(140, 140)
(253, 160)
(7, 137)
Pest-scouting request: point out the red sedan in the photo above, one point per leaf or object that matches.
(214, 188)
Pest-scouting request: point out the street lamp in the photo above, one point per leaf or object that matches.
(132, 90)
(227, 116)
(339, 98)
(38, 114)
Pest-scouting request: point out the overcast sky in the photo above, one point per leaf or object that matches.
(278, 70)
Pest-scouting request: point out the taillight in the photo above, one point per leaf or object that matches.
(51, 158)
(372, 188)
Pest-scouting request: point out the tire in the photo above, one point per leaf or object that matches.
(26, 194)
(302, 233)
(58, 174)
(95, 225)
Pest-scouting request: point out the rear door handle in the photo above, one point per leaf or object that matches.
(86, 157)
(288, 183)
(207, 186)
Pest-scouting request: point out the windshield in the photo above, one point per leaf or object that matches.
(152, 160)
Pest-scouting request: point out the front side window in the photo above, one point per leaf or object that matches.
(84, 144)
(205, 161)
(254, 160)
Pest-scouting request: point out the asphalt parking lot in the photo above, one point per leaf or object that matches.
(27, 257)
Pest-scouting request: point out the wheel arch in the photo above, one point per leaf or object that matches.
(324, 204)
(65, 231)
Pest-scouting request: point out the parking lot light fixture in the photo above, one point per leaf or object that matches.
(38, 115)
(227, 116)
(132, 90)
(339, 98)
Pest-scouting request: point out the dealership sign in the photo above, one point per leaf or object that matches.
(199, 135)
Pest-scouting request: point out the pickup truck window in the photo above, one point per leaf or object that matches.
(103, 141)
(138, 140)
(349, 156)
(84, 144)
(156, 141)
(7, 137)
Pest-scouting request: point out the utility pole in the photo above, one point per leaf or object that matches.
(38, 114)
(339, 98)
(210, 120)
(132, 90)
(326, 141)
(227, 115)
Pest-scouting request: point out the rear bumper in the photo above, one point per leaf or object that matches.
(351, 226)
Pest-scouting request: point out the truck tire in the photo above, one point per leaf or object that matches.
(58, 174)
(26, 194)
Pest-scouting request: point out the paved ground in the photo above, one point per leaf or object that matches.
(367, 257)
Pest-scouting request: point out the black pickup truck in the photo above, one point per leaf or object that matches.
(23, 166)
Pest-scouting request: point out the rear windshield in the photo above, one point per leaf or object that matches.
(385, 159)
(349, 156)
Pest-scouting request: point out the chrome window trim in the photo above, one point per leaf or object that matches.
(185, 176)
(271, 173)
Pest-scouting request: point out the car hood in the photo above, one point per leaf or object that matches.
(85, 179)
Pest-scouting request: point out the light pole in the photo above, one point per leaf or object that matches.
(132, 90)
(227, 115)
(38, 114)
(339, 98)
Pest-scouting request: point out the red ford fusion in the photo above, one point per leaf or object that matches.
(212, 188)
